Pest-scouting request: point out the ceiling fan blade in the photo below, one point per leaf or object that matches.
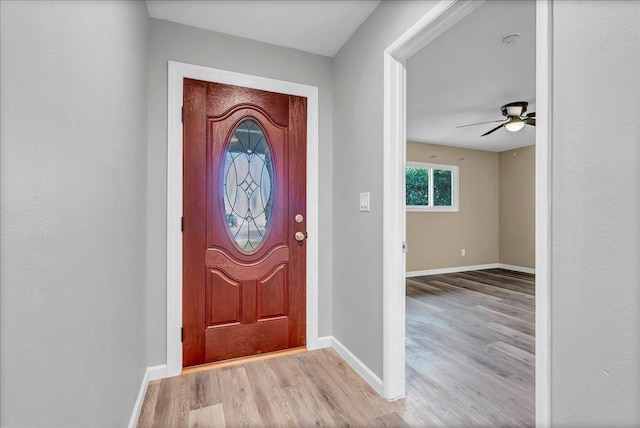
(480, 123)
(530, 121)
(532, 114)
(493, 130)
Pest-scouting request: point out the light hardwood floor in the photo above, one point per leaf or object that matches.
(470, 362)
(470, 347)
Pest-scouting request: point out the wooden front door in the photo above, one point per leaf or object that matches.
(244, 207)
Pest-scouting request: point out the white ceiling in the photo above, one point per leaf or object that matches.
(319, 27)
(466, 74)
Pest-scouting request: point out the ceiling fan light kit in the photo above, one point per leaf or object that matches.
(516, 120)
(514, 125)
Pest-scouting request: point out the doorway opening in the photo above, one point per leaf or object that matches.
(440, 19)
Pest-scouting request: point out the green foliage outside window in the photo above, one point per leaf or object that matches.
(417, 186)
(442, 187)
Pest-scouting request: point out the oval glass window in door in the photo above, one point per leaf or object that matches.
(248, 185)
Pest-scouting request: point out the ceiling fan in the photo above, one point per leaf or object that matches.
(514, 112)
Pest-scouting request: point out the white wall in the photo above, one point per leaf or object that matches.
(357, 167)
(170, 41)
(595, 288)
(73, 83)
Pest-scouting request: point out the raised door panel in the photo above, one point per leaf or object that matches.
(223, 299)
(273, 294)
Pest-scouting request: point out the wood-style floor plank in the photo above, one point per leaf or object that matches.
(470, 343)
(392, 420)
(172, 405)
(149, 405)
(208, 417)
(526, 341)
(271, 401)
(240, 409)
(204, 390)
(515, 352)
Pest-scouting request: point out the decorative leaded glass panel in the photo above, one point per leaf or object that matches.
(248, 185)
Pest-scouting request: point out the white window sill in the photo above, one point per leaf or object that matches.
(419, 208)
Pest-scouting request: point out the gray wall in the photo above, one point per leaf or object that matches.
(357, 167)
(73, 82)
(170, 41)
(595, 291)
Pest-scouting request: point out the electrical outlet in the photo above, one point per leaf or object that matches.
(463, 252)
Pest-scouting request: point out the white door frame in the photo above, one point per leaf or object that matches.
(435, 22)
(177, 72)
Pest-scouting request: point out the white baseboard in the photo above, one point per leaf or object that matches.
(365, 372)
(157, 372)
(324, 342)
(151, 373)
(457, 269)
(137, 408)
(517, 268)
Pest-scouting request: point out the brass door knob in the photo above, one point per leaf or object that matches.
(299, 236)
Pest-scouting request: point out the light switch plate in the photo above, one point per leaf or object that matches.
(365, 199)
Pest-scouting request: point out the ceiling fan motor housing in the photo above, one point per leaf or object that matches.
(514, 109)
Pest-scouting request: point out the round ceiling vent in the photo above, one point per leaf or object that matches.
(510, 39)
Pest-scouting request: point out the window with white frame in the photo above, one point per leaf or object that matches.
(431, 187)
